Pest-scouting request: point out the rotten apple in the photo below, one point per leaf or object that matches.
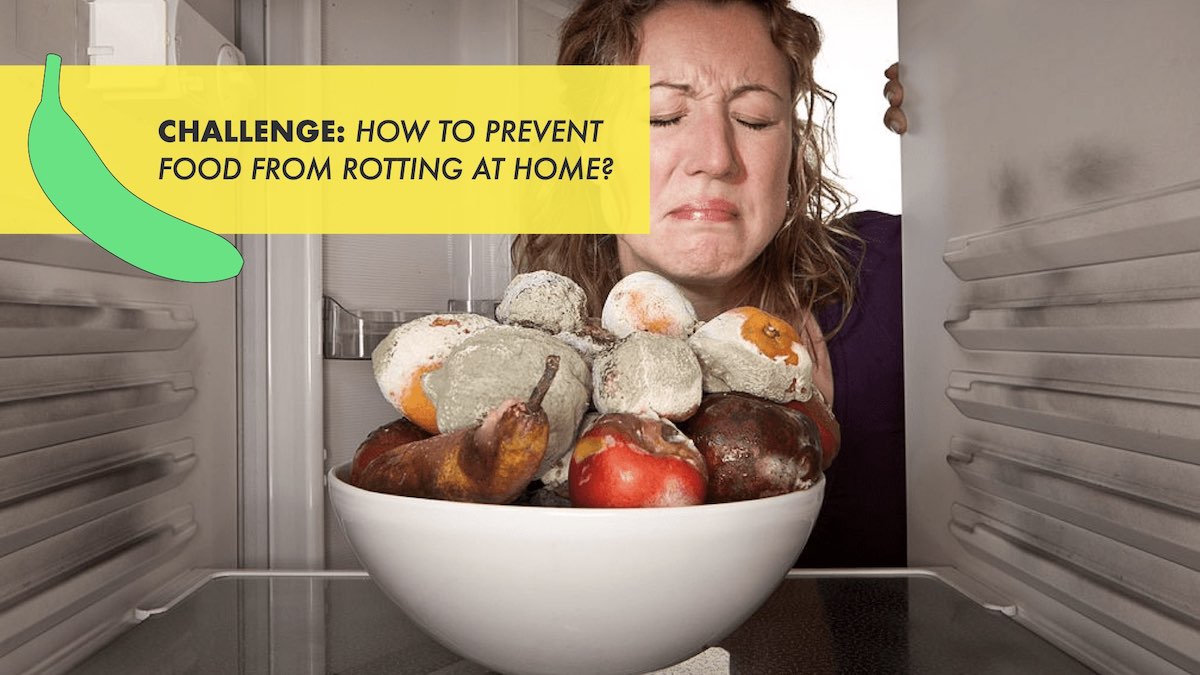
(627, 460)
(827, 425)
(753, 447)
(386, 437)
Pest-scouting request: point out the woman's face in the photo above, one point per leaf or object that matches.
(720, 143)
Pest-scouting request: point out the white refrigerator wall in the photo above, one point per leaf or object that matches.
(1052, 315)
(32, 28)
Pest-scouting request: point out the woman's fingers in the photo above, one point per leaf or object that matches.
(895, 120)
(893, 91)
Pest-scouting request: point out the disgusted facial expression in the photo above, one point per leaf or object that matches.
(720, 144)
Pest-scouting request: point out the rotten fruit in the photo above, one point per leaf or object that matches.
(754, 448)
(627, 460)
(827, 425)
(386, 437)
(490, 462)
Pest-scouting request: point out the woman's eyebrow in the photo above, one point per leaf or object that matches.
(686, 89)
(748, 88)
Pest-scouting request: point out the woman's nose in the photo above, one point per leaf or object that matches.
(713, 150)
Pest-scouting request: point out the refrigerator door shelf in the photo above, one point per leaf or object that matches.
(354, 334)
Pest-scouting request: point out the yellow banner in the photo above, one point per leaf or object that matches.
(348, 149)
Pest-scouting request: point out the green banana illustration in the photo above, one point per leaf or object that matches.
(80, 186)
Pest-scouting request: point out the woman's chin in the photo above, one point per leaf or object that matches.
(697, 259)
(700, 274)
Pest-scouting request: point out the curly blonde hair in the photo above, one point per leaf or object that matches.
(805, 267)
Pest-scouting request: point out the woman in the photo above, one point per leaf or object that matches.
(742, 212)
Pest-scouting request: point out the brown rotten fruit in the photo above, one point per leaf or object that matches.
(491, 462)
(384, 438)
(830, 431)
(753, 447)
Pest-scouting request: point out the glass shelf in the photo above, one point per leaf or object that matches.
(343, 624)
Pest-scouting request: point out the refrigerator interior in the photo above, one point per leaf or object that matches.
(1051, 287)
(150, 431)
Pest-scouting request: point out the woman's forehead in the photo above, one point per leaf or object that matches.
(702, 46)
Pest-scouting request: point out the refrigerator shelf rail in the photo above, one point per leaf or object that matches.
(354, 334)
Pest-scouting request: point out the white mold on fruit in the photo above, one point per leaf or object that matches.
(505, 362)
(645, 301)
(543, 300)
(648, 374)
(730, 362)
(416, 347)
(589, 341)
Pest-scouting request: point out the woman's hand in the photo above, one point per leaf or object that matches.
(893, 91)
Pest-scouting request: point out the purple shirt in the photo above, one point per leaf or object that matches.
(862, 521)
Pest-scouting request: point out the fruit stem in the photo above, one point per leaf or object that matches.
(539, 391)
(50, 79)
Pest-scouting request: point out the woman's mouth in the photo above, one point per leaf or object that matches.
(713, 210)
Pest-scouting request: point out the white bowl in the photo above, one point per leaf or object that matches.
(524, 589)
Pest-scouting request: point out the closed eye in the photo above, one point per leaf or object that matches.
(756, 126)
(665, 121)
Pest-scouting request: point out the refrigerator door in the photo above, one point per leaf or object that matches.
(119, 445)
(1052, 284)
